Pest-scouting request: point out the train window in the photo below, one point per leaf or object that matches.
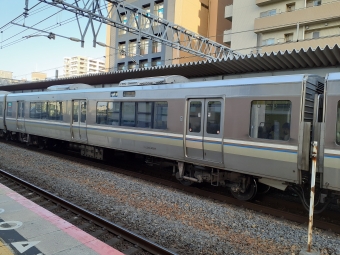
(214, 117)
(128, 114)
(338, 125)
(59, 110)
(35, 110)
(44, 113)
(9, 109)
(101, 113)
(114, 94)
(52, 110)
(1, 109)
(270, 119)
(32, 110)
(83, 111)
(160, 120)
(129, 93)
(195, 116)
(39, 110)
(113, 113)
(144, 114)
(75, 111)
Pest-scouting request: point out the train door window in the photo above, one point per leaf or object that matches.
(113, 113)
(195, 116)
(128, 114)
(160, 119)
(214, 117)
(144, 114)
(270, 120)
(83, 111)
(338, 125)
(75, 108)
(101, 113)
(21, 109)
(52, 110)
(9, 109)
(1, 109)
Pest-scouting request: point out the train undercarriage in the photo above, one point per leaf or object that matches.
(242, 186)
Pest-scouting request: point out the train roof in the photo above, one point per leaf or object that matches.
(297, 78)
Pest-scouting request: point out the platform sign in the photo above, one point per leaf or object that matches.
(13, 242)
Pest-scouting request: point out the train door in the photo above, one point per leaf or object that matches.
(204, 134)
(21, 117)
(78, 126)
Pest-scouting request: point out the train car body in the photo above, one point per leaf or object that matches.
(329, 161)
(255, 127)
(2, 111)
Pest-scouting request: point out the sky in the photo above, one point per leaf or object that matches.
(39, 54)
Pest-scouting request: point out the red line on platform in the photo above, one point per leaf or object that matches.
(68, 228)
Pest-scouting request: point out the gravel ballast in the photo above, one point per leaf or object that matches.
(183, 222)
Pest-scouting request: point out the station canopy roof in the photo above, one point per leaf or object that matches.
(251, 63)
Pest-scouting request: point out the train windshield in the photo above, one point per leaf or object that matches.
(270, 120)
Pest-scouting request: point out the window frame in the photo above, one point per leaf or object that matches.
(271, 127)
(121, 50)
(140, 113)
(7, 109)
(213, 129)
(192, 125)
(159, 9)
(155, 113)
(144, 47)
(123, 115)
(316, 35)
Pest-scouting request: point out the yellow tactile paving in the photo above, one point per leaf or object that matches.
(4, 249)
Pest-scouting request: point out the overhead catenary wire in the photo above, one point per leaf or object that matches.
(50, 28)
(215, 36)
(43, 8)
(251, 30)
(19, 16)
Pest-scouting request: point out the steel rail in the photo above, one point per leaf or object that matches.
(99, 221)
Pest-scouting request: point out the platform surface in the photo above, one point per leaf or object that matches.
(28, 229)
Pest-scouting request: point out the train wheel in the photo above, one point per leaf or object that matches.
(249, 192)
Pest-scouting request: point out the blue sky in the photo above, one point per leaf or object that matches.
(40, 54)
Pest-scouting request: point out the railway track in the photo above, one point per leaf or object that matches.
(112, 234)
(288, 210)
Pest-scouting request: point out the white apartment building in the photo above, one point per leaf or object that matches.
(278, 25)
(79, 65)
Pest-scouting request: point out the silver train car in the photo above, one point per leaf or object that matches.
(239, 133)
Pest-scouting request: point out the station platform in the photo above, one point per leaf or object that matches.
(28, 229)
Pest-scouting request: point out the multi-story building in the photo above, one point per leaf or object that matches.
(274, 25)
(6, 77)
(37, 76)
(79, 65)
(6, 74)
(128, 51)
